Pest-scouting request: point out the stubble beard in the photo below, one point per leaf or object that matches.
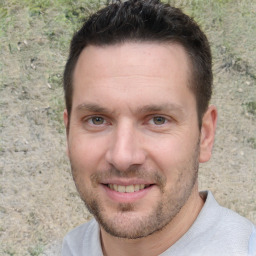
(124, 223)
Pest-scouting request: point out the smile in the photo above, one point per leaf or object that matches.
(127, 189)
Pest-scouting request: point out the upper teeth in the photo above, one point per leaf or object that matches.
(127, 189)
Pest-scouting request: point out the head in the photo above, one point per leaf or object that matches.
(137, 86)
(146, 21)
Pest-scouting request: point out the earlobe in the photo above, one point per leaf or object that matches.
(208, 128)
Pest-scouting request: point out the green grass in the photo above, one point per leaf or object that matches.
(55, 112)
(251, 107)
(10, 252)
(252, 142)
(36, 251)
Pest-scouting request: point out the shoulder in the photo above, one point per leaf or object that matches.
(252, 243)
(234, 229)
(237, 235)
(216, 231)
(229, 232)
(82, 239)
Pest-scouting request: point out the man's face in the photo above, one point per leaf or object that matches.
(133, 138)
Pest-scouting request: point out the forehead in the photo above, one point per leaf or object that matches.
(132, 57)
(132, 69)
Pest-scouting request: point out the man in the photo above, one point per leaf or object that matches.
(138, 83)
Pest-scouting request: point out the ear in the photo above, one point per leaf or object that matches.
(66, 122)
(208, 128)
(65, 118)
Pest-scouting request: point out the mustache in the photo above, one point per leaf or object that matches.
(153, 176)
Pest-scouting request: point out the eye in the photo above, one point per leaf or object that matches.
(97, 120)
(159, 120)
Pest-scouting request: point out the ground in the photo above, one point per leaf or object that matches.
(39, 202)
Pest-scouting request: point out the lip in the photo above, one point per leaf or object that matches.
(120, 197)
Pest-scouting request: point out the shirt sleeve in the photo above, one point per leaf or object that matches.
(252, 243)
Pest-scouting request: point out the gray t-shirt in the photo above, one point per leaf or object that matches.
(217, 231)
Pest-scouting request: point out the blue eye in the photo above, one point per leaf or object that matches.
(97, 120)
(159, 120)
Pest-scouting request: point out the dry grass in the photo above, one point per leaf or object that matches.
(39, 203)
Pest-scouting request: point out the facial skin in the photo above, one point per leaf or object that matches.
(133, 124)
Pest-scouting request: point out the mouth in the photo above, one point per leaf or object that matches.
(127, 189)
(125, 192)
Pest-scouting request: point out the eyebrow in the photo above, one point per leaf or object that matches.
(92, 108)
(95, 108)
(161, 107)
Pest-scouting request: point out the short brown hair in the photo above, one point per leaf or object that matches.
(146, 20)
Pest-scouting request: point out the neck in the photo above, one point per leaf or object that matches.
(159, 241)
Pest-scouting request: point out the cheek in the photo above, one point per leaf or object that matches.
(175, 155)
(170, 149)
(86, 154)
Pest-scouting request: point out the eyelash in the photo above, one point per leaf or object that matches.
(150, 120)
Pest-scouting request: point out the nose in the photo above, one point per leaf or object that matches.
(125, 149)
